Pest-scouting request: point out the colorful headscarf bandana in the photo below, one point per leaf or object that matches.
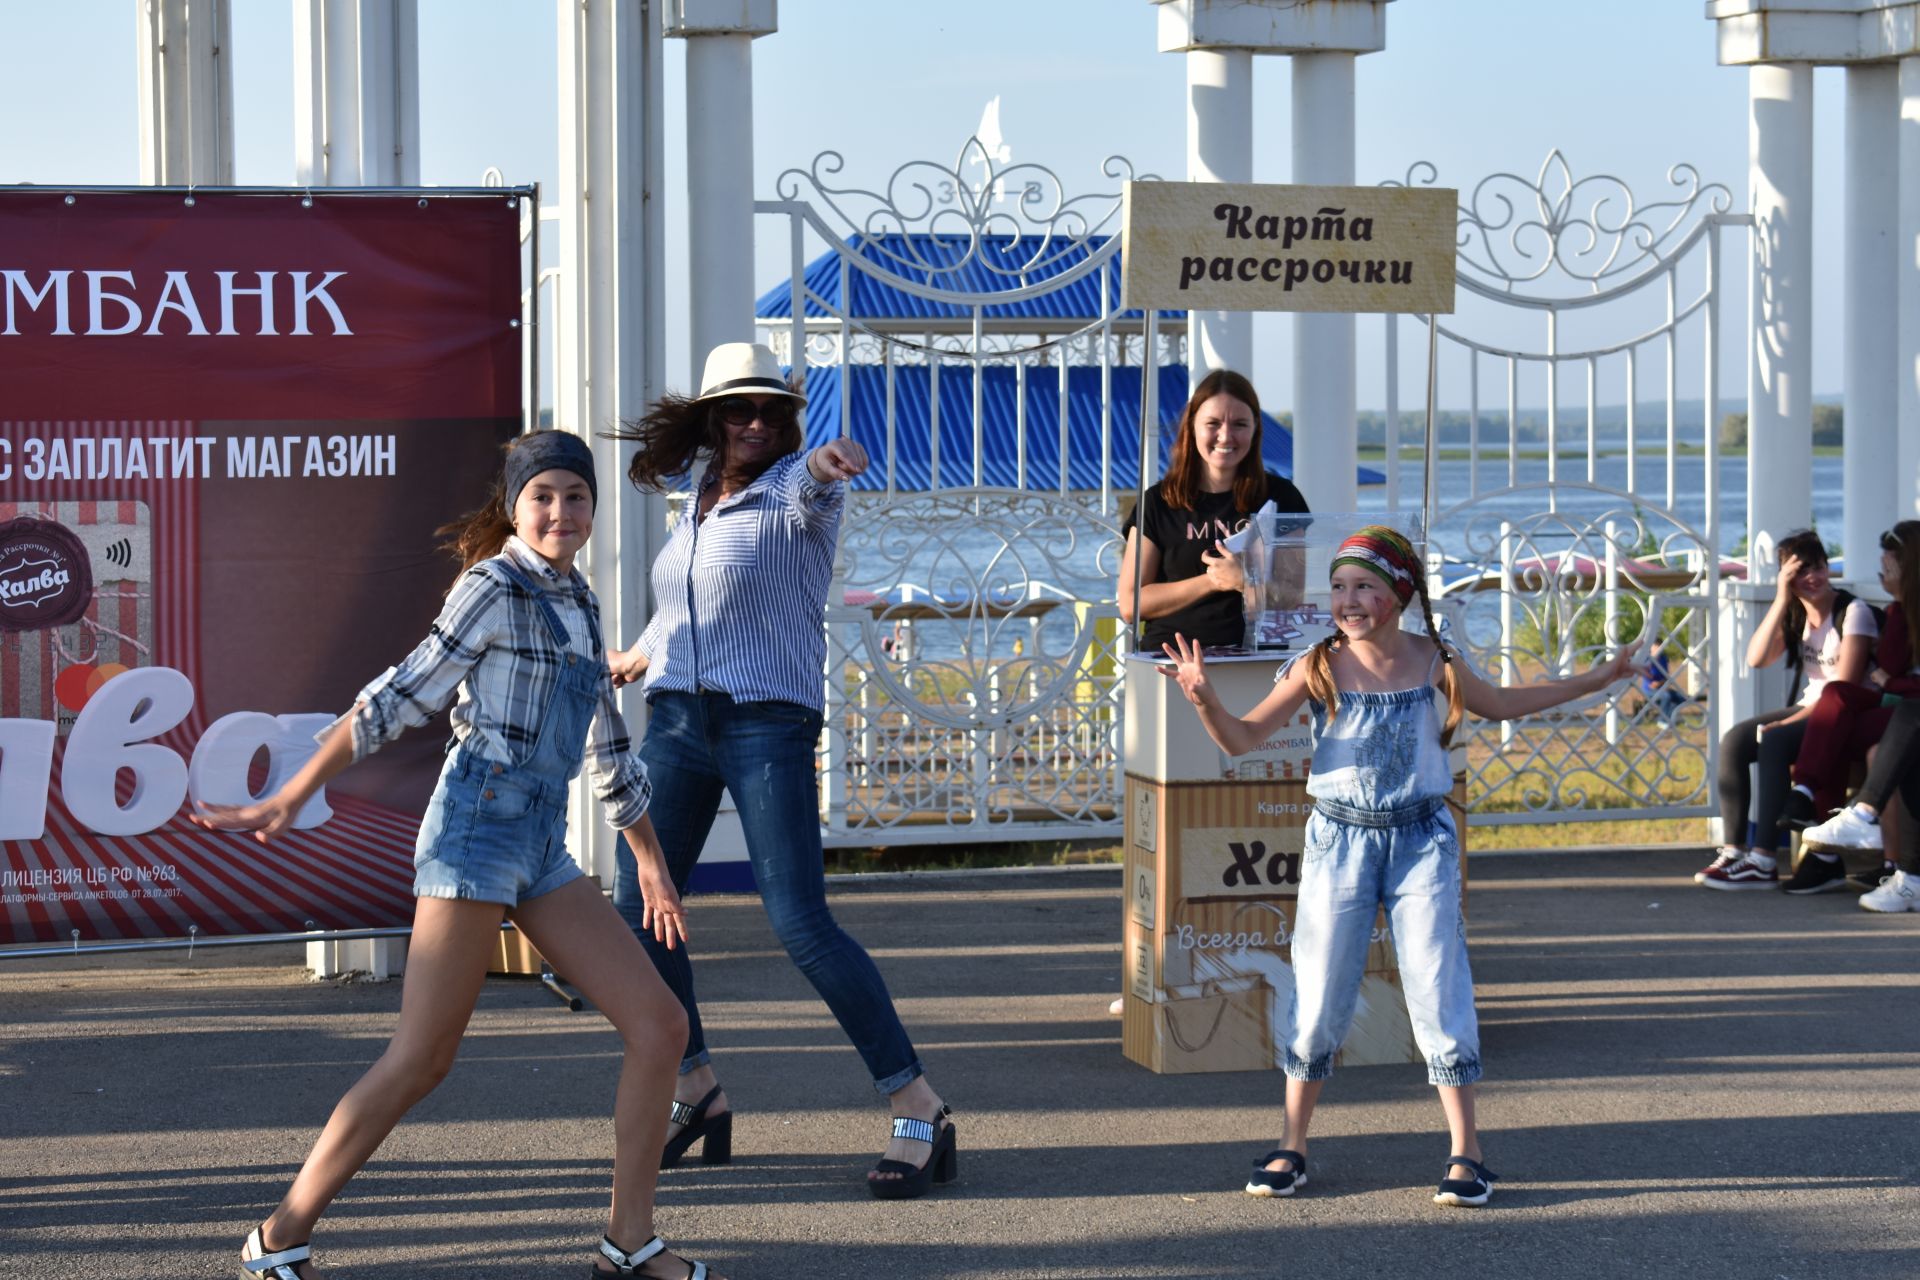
(1386, 552)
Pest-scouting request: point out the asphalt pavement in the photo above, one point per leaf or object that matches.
(1680, 1083)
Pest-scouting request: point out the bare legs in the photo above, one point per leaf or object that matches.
(1455, 1100)
(1302, 1096)
(446, 964)
(586, 939)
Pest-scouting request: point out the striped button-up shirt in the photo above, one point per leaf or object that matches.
(491, 646)
(741, 596)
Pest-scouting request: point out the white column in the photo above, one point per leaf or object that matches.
(186, 93)
(356, 123)
(356, 93)
(719, 192)
(1872, 314)
(1780, 357)
(1219, 149)
(1325, 435)
(1907, 287)
(611, 315)
(719, 36)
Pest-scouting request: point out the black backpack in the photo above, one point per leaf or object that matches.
(1843, 600)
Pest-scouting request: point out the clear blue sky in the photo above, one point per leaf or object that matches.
(1474, 86)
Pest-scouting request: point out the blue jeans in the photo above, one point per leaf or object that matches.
(762, 753)
(1349, 870)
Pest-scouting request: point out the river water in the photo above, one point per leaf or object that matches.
(1454, 477)
(1091, 570)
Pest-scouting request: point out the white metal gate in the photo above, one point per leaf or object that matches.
(974, 647)
(1558, 538)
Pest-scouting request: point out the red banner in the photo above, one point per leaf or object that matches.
(228, 430)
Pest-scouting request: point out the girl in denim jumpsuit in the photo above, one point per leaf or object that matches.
(1384, 704)
(518, 642)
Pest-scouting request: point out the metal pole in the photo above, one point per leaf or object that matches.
(1148, 430)
(1426, 479)
(192, 944)
(533, 320)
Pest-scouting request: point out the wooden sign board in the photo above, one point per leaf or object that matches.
(1213, 246)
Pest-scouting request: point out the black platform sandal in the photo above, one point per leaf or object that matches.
(629, 1264)
(943, 1162)
(695, 1124)
(258, 1264)
(1466, 1193)
(1267, 1182)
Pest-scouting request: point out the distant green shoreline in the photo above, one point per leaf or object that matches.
(1497, 453)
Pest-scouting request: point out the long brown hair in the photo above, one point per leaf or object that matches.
(481, 533)
(1793, 621)
(1180, 488)
(1904, 541)
(679, 431)
(1321, 688)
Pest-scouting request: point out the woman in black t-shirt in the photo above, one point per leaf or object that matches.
(1214, 482)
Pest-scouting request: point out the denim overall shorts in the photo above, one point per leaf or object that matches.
(498, 832)
(1380, 836)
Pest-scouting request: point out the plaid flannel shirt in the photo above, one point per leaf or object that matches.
(491, 646)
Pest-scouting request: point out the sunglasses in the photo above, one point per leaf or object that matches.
(738, 411)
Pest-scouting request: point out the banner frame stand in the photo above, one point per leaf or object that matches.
(522, 195)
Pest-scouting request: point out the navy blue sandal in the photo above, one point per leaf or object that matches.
(1278, 1182)
(1466, 1193)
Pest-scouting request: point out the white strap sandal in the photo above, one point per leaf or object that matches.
(257, 1264)
(627, 1264)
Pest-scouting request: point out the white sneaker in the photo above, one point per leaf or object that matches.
(1845, 830)
(1898, 892)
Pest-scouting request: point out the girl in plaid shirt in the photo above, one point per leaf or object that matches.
(519, 644)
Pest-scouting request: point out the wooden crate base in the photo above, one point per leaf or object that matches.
(1212, 870)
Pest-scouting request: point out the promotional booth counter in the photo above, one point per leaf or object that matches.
(1213, 846)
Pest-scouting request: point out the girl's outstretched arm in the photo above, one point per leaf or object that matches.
(1233, 734)
(268, 818)
(1492, 702)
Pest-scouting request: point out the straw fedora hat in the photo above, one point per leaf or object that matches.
(744, 368)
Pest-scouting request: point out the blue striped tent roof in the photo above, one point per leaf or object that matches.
(859, 393)
(993, 267)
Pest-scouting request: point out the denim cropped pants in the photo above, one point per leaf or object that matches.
(698, 745)
(1355, 862)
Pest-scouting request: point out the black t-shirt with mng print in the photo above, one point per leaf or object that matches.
(1181, 536)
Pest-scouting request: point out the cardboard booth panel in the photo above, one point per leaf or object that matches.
(1211, 907)
(1165, 741)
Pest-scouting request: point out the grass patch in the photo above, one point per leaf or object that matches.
(1573, 835)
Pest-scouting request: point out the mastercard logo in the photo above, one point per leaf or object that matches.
(77, 683)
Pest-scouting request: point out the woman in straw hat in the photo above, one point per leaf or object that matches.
(733, 662)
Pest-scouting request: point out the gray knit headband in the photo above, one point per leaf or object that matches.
(548, 451)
